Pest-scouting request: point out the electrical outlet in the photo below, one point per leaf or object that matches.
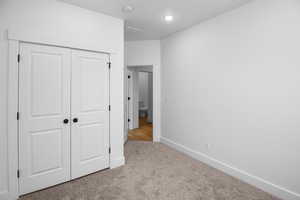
(208, 146)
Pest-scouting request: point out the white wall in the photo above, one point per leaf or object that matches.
(142, 53)
(53, 22)
(231, 94)
(146, 53)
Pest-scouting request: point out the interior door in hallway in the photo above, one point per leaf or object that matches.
(44, 105)
(129, 101)
(90, 113)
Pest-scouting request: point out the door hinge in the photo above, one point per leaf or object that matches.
(18, 115)
(109, 65)
(109, 107)
(109, 150)
(19, 58)
(18, 173)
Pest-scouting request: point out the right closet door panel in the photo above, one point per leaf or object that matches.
(89, 113)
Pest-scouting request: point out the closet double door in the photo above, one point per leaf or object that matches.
(64, 116)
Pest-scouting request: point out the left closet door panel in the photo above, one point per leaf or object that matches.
(44, 105)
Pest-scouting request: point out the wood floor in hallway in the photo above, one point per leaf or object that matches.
(144, 132)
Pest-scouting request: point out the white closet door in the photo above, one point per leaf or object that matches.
(89, 105)
(44, 138)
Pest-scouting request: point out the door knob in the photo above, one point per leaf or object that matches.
(75, 120)
(66, 121)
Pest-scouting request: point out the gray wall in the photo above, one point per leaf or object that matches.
(231, 92)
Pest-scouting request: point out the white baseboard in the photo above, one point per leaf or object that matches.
(240, 174)
(156, 139)
(116, 162)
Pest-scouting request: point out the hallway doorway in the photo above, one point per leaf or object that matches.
(140, 103)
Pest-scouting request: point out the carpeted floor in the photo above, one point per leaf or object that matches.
(154, 172)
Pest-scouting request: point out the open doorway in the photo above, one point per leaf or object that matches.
(140, 103)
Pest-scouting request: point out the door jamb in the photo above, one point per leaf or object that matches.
(12, 123)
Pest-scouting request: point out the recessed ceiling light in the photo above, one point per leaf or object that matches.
(168, 18)
(128, 9)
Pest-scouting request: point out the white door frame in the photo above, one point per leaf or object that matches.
(12, 123)
(156, 99)
(13, 108)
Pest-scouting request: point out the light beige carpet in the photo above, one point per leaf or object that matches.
(154, 172)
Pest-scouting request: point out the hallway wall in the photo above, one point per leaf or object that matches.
(146, 53)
